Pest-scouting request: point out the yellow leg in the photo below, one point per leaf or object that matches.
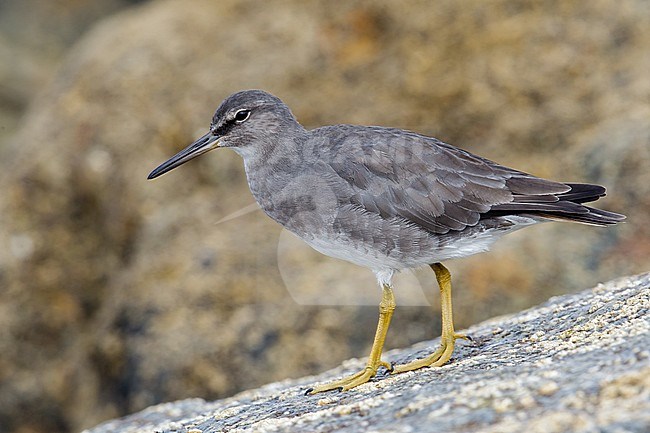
(442, 355)
(386, 308)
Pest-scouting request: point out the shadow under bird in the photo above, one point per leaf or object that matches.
(384, 198)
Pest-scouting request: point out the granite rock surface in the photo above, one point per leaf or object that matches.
(578, 362)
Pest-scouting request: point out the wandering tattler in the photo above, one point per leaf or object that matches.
(384, 198)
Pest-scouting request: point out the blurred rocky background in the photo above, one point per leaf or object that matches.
(117, 293)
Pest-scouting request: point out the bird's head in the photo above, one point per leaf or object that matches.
(246, 121)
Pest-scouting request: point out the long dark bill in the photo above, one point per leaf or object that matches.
(199, 147)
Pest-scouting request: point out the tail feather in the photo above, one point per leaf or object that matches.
(566, 206)
(583, 193)
(593, 216)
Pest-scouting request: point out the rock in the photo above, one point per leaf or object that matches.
(118, 293)
(578, 362)
(34, 36)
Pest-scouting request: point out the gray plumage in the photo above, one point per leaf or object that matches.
(384, 198)
(380, 197)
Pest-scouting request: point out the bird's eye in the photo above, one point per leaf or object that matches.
(242, 115)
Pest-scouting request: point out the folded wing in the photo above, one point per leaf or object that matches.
(442, 188)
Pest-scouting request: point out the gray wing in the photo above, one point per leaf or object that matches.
(438, 186)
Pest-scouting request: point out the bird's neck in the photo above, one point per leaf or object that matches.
(275, 169)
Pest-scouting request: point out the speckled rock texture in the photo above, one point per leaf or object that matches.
(577, 363)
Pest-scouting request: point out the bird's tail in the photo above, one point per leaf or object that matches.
(570, 207)
(563, 206)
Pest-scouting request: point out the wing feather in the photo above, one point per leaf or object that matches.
(442, 188)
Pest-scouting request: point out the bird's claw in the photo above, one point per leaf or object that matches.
(351, 381)
(437, 358)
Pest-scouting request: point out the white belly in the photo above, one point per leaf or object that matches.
(462, 246)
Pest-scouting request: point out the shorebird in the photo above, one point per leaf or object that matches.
(384, 198)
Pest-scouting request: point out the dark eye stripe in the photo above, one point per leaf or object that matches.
(240, 116)
(224, 129)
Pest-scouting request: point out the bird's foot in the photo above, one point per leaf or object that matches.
(437, 358)
(351, 381)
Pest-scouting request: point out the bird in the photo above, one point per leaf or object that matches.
(385, 199)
